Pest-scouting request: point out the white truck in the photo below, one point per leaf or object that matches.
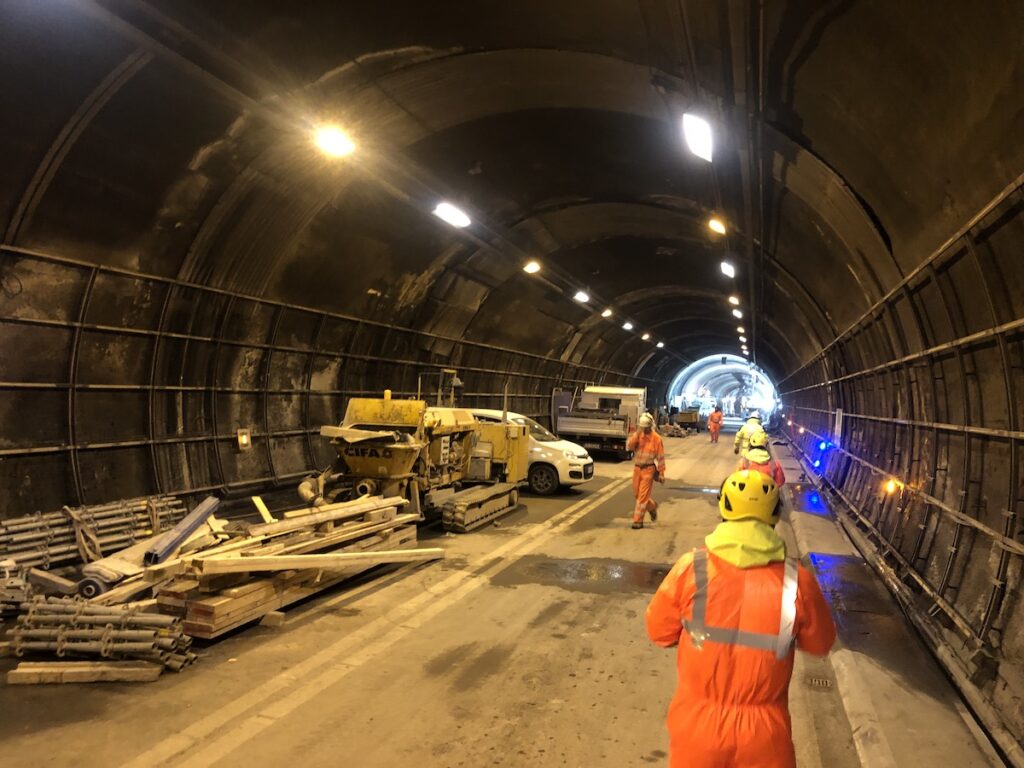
(600, 418)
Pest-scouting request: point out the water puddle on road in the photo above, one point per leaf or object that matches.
(594, 575)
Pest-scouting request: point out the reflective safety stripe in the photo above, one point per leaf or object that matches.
(700, 632)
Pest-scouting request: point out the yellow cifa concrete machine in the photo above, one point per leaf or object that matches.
(443, 460)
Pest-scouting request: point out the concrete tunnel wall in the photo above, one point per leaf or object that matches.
(179, 262)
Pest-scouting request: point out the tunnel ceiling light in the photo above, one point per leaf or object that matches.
(606, 313)
(802, 430)
(740, 329)
(582, 297)
(627, 326)
(646, 337)
(532, 267)
(728, 269)
(452, 215)
(734, 300)
(660, 345)
(745, 353)
(333, 141)
(737, 314)
(716, 225)
(697, 133)
(743, 339)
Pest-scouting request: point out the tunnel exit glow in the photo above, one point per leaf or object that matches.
(730, 381)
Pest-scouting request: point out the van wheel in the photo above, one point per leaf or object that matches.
(543, 479)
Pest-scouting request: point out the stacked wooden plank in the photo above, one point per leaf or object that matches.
(83, 534)
(74, 627)
(267, 566)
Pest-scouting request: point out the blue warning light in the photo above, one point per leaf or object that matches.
(822, 445)
(817, 463)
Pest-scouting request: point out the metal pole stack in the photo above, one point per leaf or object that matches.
(74, 535)
(73, 627)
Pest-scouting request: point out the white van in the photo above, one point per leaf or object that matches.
(553, 462)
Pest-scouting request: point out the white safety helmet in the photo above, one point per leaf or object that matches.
(646, 420)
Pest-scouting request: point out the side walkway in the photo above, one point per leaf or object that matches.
(902, 709)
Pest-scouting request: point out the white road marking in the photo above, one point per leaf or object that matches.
(327, 667)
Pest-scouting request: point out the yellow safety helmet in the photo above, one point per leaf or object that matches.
(749, 494)
(758, 439)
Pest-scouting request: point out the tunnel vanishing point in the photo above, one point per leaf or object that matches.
(237, 215)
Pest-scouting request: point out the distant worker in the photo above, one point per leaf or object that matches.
(735, 608)
(758, 457)
(715, 420)
(752, 424)
(648, 466)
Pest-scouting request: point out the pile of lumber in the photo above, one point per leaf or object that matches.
(85, 534)
(75, 627)
(266, 566)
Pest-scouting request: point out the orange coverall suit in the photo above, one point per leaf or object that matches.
(731, 702)
(715, 425)
(648, 457)
(762, 461)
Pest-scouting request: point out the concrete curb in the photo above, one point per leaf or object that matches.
(868, 736)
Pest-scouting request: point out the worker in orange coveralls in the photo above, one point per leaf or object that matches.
(648, 466)
(736, 607)
(757, 456)
(715, 423)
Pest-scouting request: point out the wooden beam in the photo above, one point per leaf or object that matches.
(326, 514)
(262, 509)
(324, 562)
(30, 673)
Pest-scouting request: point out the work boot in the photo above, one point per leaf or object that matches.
(638, 524)
(654, 515)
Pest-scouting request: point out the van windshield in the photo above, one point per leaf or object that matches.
(537, 432)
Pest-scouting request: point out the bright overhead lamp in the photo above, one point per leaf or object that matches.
(728, 269)
(532, 267)
(582, 297)
(715, 224)
(660, 345)
(606, 313)
(646, 336)
(627, 326)
(737, 314)
(452, 215)
(697, 132)
(734, 300)
(739, 329)
(745, 353)
(743, 339)
(333, 141)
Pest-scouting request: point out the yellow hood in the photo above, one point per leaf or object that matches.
(746, 543)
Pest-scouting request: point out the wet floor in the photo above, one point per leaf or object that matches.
(594, 574)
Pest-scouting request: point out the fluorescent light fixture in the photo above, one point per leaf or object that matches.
(715, 224)
(452, 215)
(582, 297)
(333, 141)
(743, 339)
(660, 345)
(532, 267)
(734, 300)
(745, 353)
(606, 313)
(728, 269)
(737, 314)
(627, 326)
(739, 329)
(646, 336)
(697, 132)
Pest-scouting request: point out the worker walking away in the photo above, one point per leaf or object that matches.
(735, 608)
(648, 466)
(715, 420)
(750, 426)
(759, 458)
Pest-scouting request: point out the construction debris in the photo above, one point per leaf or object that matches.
(33, 672)
(264, 567)
(85, 534)
(74, 627)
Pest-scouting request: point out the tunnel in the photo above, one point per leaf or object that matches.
(225, 221)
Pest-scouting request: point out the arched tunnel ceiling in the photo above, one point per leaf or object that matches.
(493, 109)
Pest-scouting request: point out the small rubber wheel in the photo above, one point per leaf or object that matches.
(543, 479)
